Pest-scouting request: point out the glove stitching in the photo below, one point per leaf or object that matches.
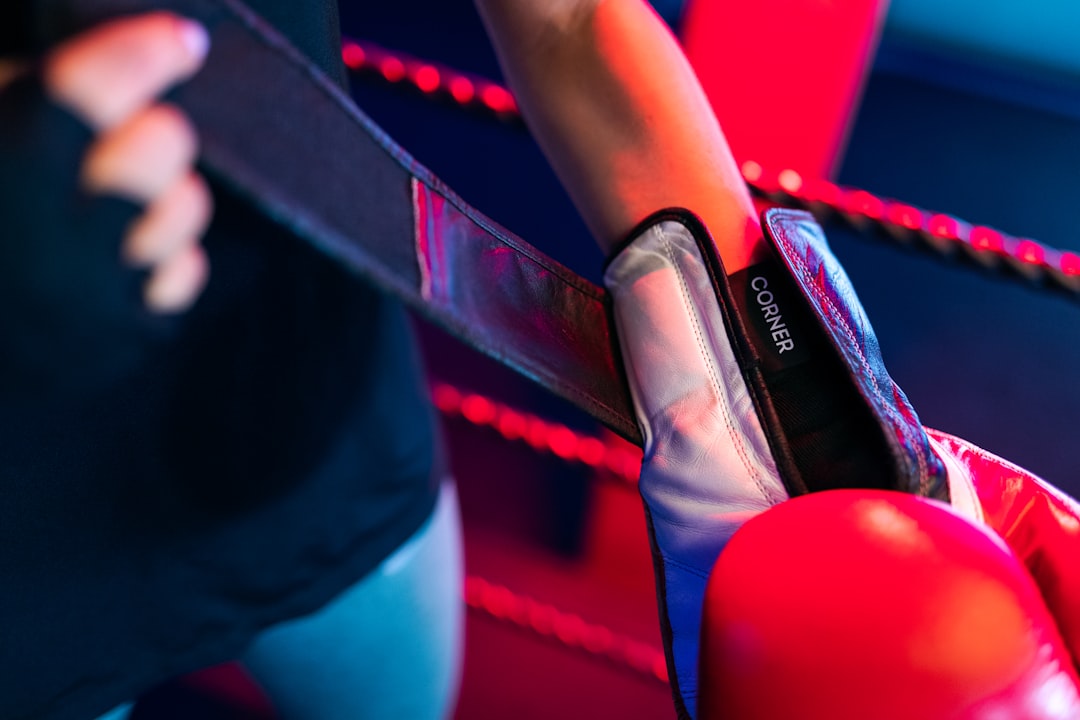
(736, 438)
(839, 319)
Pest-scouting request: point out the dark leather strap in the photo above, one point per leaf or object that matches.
(285, 136)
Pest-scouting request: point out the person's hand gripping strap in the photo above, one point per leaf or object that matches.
(103, 207)
(708, 466)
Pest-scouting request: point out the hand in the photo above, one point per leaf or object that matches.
(103, 210)
(144, 150)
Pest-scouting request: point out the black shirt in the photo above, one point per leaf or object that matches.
(172, 487)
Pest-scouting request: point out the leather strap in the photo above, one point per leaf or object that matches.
(384, 216)
(276, 129)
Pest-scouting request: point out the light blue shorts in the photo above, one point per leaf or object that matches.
(388, 647)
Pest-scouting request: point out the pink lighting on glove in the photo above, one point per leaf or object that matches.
(951, 610)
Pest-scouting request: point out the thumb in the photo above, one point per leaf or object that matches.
(108, 73)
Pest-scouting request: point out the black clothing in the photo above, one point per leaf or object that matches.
(173, 485)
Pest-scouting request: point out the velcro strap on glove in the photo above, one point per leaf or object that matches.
(881, 412)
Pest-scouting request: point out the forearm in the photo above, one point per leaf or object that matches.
(613, 102)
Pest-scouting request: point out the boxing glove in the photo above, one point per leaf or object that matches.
(748, 390)
(851, 604)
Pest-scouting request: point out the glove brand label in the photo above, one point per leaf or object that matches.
(771, 314)
(776, 320)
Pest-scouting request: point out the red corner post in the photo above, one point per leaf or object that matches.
(784, 76)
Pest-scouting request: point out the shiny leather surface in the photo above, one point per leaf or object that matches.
(714, 450)
(1038, 522)
(708, 466)
(876, 605)
(505, 297)
(801, 244)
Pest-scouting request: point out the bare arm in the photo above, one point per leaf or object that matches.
(618, 111)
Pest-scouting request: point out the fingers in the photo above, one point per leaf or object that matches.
(142, 158)
(107, 74)
(176, 283)
(175, 219)
(111, 77)
(165, 238)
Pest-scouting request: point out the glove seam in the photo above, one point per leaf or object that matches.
(736, 441)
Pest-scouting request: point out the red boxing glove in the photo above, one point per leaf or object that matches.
(1039, 522)
(850, 605)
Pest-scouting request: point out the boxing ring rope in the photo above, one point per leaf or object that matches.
(615, 457)
(940, 234)
(568, 629)
(612, 458)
